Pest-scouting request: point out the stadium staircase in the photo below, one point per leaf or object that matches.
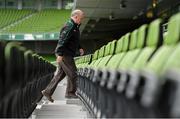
(23, 75)
(61, 108)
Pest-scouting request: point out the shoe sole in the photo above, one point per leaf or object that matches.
(47, 96)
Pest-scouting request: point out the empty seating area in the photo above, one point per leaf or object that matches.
(135, 76)
(23, 74)
(9, 16)
(47, 20)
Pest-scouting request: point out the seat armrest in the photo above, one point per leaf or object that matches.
(151, 88)
(86, 71)
(172, 74)
(122, 81)
(97, 75)
(134, 80)
(105, 77)
(112, 81)
(172, 77)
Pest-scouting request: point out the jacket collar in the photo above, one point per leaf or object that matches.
(74, 22)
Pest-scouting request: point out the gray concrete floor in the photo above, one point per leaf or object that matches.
(61, 108)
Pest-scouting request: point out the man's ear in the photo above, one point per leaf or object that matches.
(76, 16)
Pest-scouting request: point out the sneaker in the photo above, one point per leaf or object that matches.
(47, 96)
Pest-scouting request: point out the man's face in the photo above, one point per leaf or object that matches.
(79, 19)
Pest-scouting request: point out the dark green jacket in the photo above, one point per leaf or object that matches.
(68, 39)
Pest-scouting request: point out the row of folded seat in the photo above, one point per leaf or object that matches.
(135, 76)
(83, 61)
(23, 74)
(12, 15)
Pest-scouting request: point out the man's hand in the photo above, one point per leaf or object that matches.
(81, 51)
(59, 59)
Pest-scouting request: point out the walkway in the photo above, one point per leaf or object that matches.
(61, 108)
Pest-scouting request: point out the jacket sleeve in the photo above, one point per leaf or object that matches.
(65, 34)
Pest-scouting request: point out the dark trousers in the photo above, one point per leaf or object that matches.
(66, 67)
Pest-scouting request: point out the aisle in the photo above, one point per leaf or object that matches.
(61, 108)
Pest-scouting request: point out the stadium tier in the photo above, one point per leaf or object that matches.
(130, 67)
(48, 20)
(9, 16)
(135, 75)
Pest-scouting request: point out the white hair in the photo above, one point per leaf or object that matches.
(76, 12)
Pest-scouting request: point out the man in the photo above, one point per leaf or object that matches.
(65, 51)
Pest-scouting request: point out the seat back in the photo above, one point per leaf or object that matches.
(131, 54)
(154, 36)
(133, 41)
(88, 59)
(126, 42)
(95, 55)
(107, 49)
(141, 36)
(28, 65)
(101, 52)
(151, 43)
(13, 74)
(2, 66)
(105, 59)
(136, 43)
(173, 32)
(113, 47)
(165, 52)
(22, 66)
(173, 37)
(119, 45)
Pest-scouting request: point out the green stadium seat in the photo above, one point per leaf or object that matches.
(100, 56)
(171, 76)
(45, 21)
(98, 75)
(164, 59)
(14, 79)
(85, 61)
(12, 15)
(13, 67)
(94, 58)
(112, 62)
(2, 65)
(136, 76)
(28, 65)
(109, 51)
(121, 47)
(124, 49)
(136, 44)
(115, 59)
(127, 58)
(155, 65)
(153, 42)
(23, 76)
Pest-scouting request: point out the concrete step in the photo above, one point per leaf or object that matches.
(61, 108)
(61, 111)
